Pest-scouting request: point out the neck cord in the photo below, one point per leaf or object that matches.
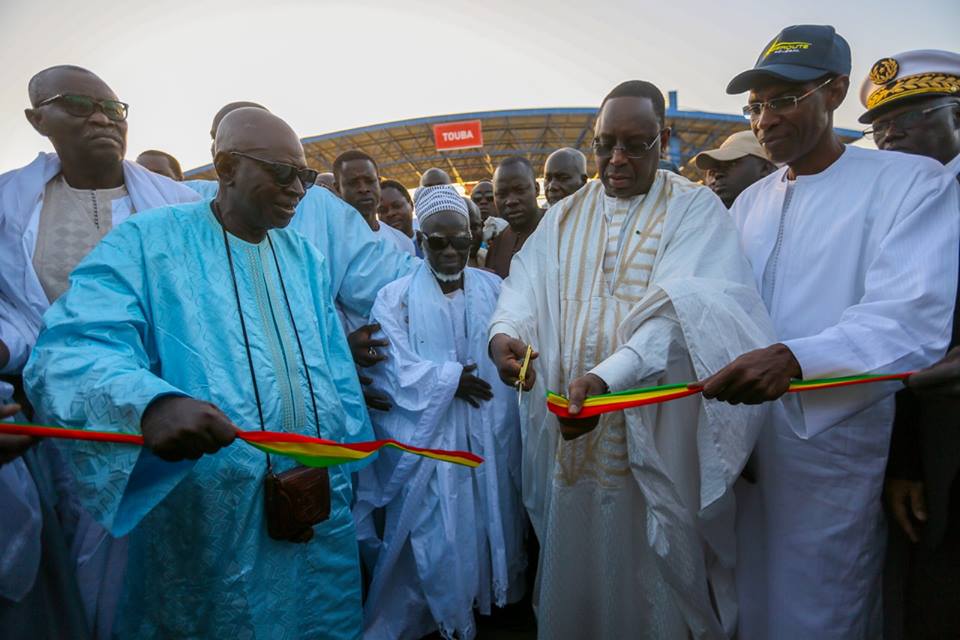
(296, 334)
(246, 339)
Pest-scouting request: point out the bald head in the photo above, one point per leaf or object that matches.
(328, 180)
(256, 131)
(227, 108)
(162, 163)
(433, 177)
(564, 172)
(257, 193)
(66, 78)
(569, 156)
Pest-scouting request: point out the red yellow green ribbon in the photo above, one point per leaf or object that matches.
(620, 400)
(312, 452)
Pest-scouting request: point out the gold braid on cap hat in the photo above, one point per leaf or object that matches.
(919, 84)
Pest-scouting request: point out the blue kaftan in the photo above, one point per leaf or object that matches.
(359, 263)
(150, 312)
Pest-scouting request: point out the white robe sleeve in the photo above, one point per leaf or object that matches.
(644, 356)
(13, 333)
(902, 321)
(19, 531)
(421, 392)
(359, 264)
(415, 385)
(704, 246)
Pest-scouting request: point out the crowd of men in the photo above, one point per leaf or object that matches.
(340, 306)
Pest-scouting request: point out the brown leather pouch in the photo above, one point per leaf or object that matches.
(295, 501)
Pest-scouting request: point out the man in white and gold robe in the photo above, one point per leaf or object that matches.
(634, 280)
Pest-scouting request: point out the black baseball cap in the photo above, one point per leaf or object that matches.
(799, 53)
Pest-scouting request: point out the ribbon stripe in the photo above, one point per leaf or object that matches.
(312, 452)
(620, 400)
(318, 452)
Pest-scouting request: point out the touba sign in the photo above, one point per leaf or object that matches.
(458, 135)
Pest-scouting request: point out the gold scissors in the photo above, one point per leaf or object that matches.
(522, 376)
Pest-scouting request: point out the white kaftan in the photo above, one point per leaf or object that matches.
(99, 558)
(22, 298)
(635, 519)
(453, 536)
(858, 266)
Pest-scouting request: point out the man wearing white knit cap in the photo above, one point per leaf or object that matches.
(453, 538)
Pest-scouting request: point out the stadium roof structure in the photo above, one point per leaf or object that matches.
(405, 149)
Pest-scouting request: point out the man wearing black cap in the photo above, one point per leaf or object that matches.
(855, 255)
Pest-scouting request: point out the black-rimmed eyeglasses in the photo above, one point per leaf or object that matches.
(84, 106)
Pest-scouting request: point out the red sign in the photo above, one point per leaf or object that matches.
(458, 135)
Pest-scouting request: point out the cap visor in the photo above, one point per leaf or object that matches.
(789, 72)
(897, 101)
(867, 116)
(706, 159)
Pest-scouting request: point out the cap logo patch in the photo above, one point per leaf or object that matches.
(884, 70)
(785, 47)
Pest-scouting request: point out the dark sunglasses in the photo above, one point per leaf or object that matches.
(84, 106)
(283, 174)
(439, 243)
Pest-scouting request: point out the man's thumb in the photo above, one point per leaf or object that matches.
(576, 398)
(918, 504)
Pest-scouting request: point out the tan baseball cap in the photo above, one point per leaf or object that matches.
(740, 144)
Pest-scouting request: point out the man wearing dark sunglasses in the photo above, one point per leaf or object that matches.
(358, 264)
(183, 325)
(54, 211)
(635, 279)
(208, 188)
(913, 106)
(438, 374)
(854, 252)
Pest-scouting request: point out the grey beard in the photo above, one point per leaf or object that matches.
(445, 277)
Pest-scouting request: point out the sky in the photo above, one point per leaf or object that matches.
(327, 66)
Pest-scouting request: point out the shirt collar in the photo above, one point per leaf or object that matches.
(954, 165)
